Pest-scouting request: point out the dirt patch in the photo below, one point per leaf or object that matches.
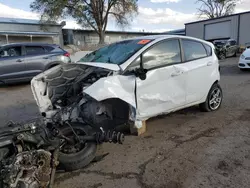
(245, 115)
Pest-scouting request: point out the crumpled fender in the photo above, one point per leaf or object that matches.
(117, 86)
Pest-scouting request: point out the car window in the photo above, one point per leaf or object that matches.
(53, 49)
(208, 49)
(163, 53)
(193, 50)
(219, 43)
(135, 64)
(233, 42)
(34, 50)
(11, 52)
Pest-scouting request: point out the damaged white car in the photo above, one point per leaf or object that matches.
(131, 81)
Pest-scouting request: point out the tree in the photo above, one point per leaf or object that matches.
(92, 14)
(216, 8)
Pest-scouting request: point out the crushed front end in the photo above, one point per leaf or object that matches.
(96, 95)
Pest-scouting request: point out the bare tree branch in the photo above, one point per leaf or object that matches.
(216, 8)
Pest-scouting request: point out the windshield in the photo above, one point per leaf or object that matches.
(219, 43)
(116, 53)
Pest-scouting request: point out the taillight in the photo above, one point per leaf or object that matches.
(67, 54)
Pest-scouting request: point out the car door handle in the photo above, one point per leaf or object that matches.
(209, 63)
(45, 57)
(19, 60)
(176, 73)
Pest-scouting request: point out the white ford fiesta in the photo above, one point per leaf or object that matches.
(138, 78)
(244, 61)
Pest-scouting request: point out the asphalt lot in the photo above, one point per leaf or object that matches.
(186, 149)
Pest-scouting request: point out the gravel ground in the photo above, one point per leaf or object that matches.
(186, 149)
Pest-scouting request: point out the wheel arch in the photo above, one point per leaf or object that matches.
(52, 64)
(108, 113)
(205, 96)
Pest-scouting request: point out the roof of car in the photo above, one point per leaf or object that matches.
(28, 44)
(162, 37)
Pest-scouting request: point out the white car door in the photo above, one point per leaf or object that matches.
(164, 88)
(202, 69)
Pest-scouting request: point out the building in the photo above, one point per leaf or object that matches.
(176, 32)
(234, 26)
(89, 37)
(14, 30)
(26, 30)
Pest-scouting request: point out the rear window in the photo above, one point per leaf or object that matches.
(232, 42)
(34, 50)
(219, 43)
(53, 49)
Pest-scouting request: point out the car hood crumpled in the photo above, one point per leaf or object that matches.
(109, 66)
(113, 85)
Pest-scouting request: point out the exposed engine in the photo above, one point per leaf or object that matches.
(29, 169)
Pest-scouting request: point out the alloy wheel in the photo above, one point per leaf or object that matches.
(215, 99)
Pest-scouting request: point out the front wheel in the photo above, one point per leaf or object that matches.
(214, 99)
(76, 155)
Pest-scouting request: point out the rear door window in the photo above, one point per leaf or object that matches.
(34, 50)
(14, 51)
(193, 50)
(52, 49)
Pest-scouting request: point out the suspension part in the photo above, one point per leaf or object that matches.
(110, 136)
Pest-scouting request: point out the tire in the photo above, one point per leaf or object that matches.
(80, 159)
(243, 69)
(64, 81)
(207, 106)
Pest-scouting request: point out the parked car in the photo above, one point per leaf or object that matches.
(21, 62)
(132, 80)
(244, 61)
(226, 48)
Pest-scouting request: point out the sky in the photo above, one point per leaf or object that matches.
(154, 15)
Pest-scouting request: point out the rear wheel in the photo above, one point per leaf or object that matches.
(76, 155)
(214, 99)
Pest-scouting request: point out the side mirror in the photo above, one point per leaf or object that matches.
(141, 73)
